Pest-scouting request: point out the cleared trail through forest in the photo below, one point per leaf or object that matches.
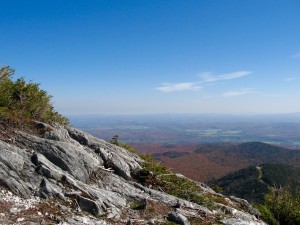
(260, 174)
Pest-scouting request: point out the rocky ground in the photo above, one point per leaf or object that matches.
(65, 176)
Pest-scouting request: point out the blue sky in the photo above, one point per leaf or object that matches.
(146, 56)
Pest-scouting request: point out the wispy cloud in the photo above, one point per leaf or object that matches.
(187, 86)
(240, 92)
(209, 77)
(292, 79)
(296, 56)
(206, 78)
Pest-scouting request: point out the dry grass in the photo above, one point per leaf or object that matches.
(43, 213)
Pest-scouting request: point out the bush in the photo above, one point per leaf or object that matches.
(160, 177)
(267, 215)
(281, 207)
(22, 102)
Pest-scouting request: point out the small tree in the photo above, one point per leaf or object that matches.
(22, 102)
(115, 139)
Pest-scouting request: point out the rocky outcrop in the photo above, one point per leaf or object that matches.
(79, 179)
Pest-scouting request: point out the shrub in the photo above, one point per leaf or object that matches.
(22, 102)
(281, 207)
(160, 177)
(267, 215)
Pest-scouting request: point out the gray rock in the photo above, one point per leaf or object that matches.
(245, 206)
(83, 220)
(46, 168)
(68, 165)
(178, 218)
(113, 213)
(237, 221)
(172, 201)
(50, 190)
(89, 205)
(103, 197)
(237, 217)
(120, 160)
(189, 213)
(76, 160)
(13, 162)
(14, 210)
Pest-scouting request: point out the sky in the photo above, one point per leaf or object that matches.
(157, 56)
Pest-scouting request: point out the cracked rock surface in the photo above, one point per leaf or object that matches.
(67, 176)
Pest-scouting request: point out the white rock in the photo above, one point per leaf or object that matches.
(20, 219)
(14, 210)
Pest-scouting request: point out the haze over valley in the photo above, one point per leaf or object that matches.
(164, 130)
(203, 147)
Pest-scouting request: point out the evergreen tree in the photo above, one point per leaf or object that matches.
(22, 102)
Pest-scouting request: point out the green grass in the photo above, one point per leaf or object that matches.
(162, 178)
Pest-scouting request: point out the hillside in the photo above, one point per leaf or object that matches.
(220, 159)
(69, 176)
(253, 183)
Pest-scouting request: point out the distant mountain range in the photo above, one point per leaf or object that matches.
(256, 152)
(209, 162)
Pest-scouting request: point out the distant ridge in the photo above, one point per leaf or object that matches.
(253, 183)
(213, 161)
(256, 152)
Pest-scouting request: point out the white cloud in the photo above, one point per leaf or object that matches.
(296, 56)
(292, 79)
(187, 86)
(206, 78)
(209, 77)
(240, 92)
